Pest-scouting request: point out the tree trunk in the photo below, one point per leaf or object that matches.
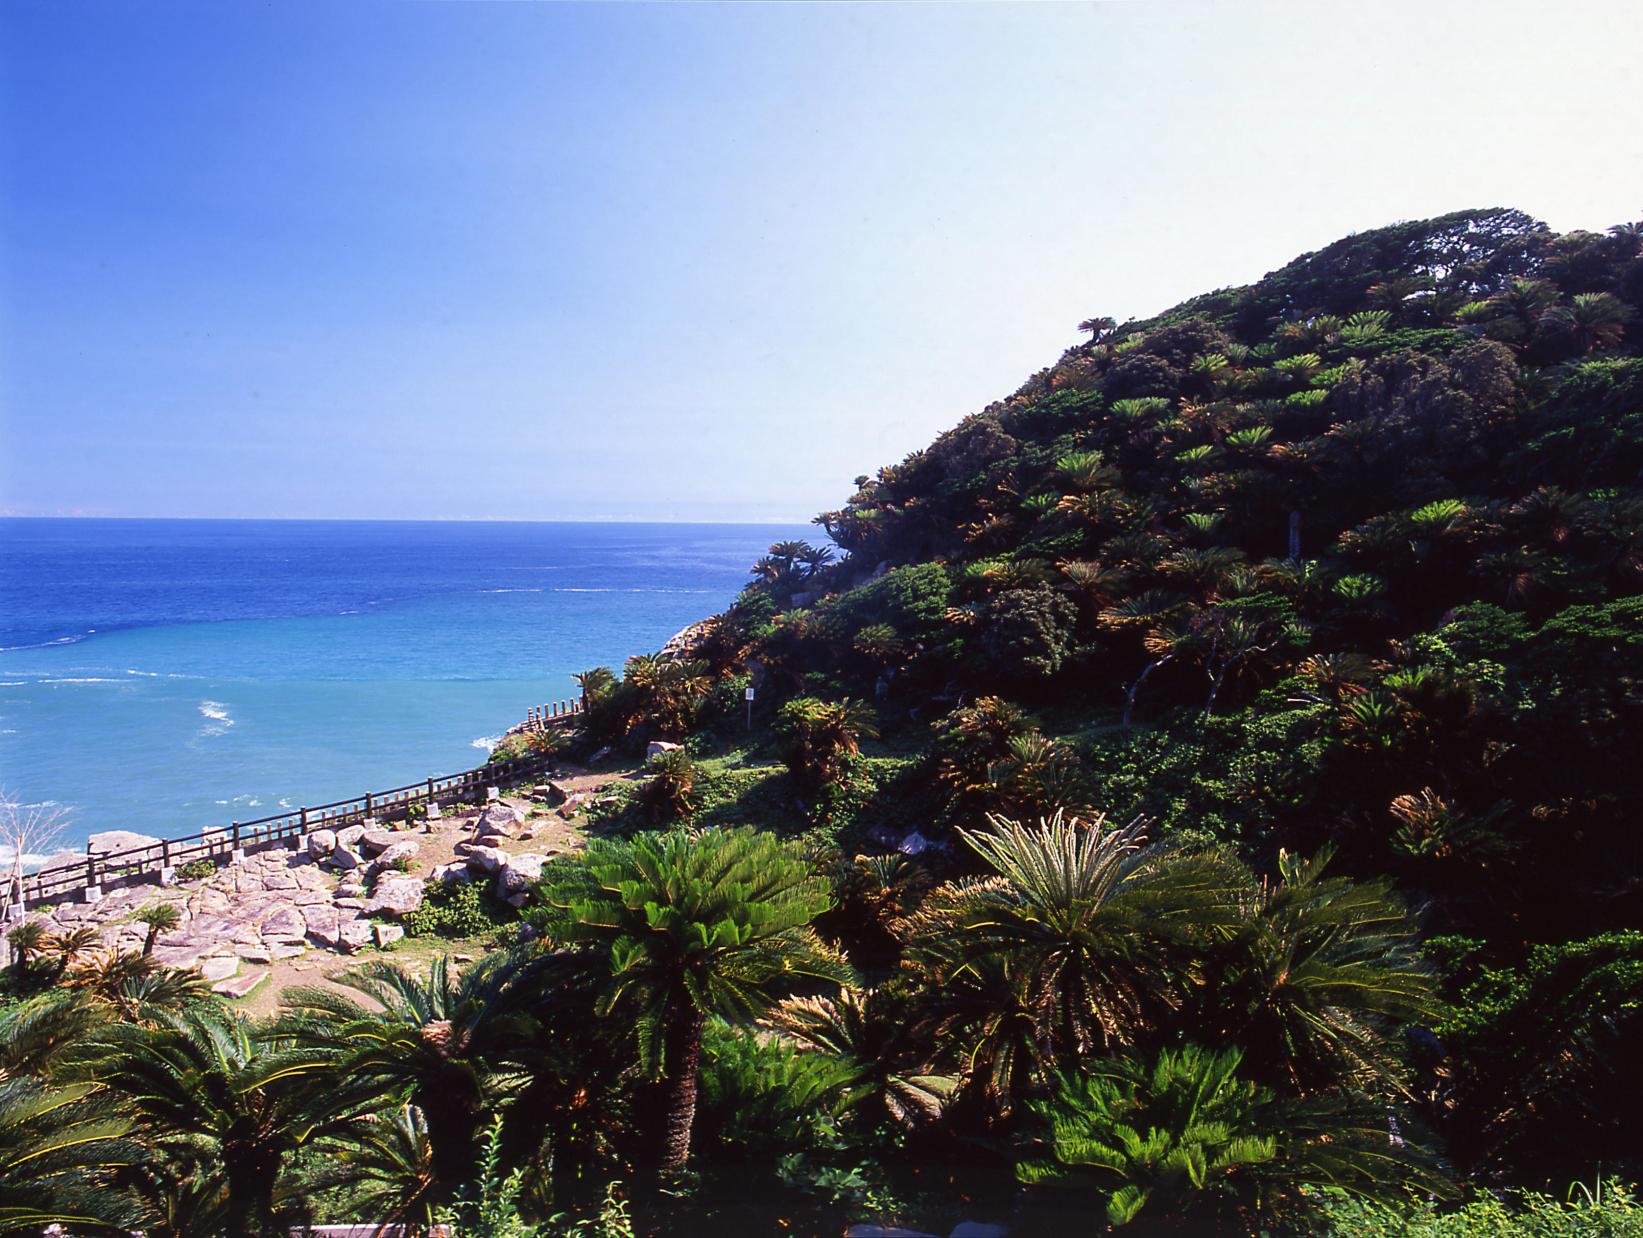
(684, 1053)
(251, 1170)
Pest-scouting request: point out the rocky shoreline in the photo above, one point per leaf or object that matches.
(342, 892)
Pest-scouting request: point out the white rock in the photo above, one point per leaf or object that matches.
(386, 933)
(321, 843)
(220, 968)
(344, 857)
(657, 747)
(349, 835)
(444, 874)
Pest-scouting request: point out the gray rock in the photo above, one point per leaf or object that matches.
(514, 879)
(444, 874)
(110, 841)
(487, 859)
(375, 842)
(500, 818)
(354, 935)
(394, 852)
(287, 923)
(321, 843)
(385, 933)
(349, 835)
(254, 954)
(657, 747)
(398, 894)
(344, 857)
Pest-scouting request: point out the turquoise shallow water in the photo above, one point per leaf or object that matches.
(163, 676)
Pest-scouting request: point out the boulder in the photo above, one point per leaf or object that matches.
(321, 843)
(111, 841)
(657, 747)
(487, 859)
(349, 835)
(344, 857)
(375, 842)
(500, 818)
(354, 935)
(394, 852)
(385, 933)
(325, 924)
(398, 894)
(445, 874)
(514, 879)
(557, 792)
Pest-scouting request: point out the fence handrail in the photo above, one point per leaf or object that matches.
(150, 859)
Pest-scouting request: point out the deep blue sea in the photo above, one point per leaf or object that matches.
(167, 675)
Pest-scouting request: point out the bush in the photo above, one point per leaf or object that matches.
(458, 909)
(1612, 1211)
(196, 870)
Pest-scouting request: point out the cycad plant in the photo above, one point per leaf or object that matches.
(690, 925)
(206, 1077)
(1093, 925)
(58, 1147)
(1318, 974)
(441, 1040)
(1180, 1133)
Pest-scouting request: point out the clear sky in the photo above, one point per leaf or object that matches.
(695, 261)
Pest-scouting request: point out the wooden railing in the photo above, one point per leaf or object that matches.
(161, 859)
(554, 713)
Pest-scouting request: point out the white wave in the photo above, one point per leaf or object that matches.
(486, 743)
(47, 644)
(216, 715)
(54, 679)
(284, 804)
(512, 590)
(31, 860)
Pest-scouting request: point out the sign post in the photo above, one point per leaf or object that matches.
(749, 695)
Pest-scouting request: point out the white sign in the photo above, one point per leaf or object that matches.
(748, 694)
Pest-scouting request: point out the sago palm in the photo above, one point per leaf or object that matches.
(439, 1039)
(208, 1076)
(1181, 1132)
(1321, 970)
(690, 925)
(1087, 919)
(57, 1148)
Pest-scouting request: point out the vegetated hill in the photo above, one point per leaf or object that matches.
(1347, 557)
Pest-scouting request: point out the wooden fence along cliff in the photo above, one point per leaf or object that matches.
(160, 860)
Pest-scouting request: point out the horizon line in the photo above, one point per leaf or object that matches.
(407, 519)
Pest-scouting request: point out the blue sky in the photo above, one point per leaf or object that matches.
(535, 261)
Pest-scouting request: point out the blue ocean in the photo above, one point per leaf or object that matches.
(167, 675)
